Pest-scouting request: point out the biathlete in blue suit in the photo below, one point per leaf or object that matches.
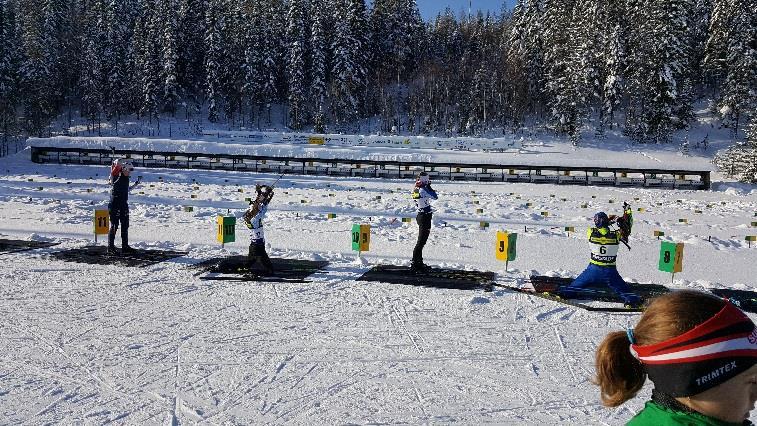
(602, 271)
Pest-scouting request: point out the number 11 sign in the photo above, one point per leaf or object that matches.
(101, 222)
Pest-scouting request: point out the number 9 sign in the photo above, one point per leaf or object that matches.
(505, 248)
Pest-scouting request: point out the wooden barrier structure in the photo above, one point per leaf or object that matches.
(561, 175)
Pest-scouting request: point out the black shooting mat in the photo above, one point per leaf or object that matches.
(287, 269)
(744, 299)
(544, 284)
(97, 255)
(12, 246)
(433, 277)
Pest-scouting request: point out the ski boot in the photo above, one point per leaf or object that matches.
(111, 251)
(419, 268)
(128, 250)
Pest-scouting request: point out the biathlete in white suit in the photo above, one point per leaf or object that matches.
(422, 195)
(253, 219)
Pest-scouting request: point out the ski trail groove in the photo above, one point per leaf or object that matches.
(564, 353)
(403, 327)
(102, 384)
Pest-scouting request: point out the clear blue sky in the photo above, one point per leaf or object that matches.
(430, 8)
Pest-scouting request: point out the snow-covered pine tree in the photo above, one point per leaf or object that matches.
(614, 59)
(9, 70)
(91, 83)
(118, 27)
(516, 64)
(357, 19)
(344, 85)
(253, 58)
(70, 52)
(592, 21)
(659, 101)
(54, 22)
(699, 23)
(35, 68)
(562, 72)
(233, 59)
(272, 71)
(716, 46)
(151, 82)
(296, 63)
(535, 56)
(169, 56)
(319, 67)
(190, 68)
(739, 90)
(213, 57)
(740, 160)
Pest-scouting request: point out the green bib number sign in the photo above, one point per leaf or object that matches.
(671, 257)
(361, 237)
(225, 230)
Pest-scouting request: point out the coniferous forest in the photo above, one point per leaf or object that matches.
(636, 66)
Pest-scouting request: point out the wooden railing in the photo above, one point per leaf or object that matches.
(394, 169)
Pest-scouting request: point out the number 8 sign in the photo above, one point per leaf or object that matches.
(671, 257)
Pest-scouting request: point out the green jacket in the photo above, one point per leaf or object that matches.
(654, 414)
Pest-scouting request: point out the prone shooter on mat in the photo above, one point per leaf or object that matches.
(604, 242)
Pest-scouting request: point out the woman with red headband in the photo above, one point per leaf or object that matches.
(699, 351)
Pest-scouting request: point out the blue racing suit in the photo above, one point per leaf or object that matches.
(601, 270)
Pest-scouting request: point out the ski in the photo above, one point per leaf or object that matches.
(555, 298)
(256, 279)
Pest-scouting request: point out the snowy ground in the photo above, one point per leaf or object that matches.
(96, 344)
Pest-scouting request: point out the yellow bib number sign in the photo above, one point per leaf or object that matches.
(102, 222)
(505, 248)
(225, 229)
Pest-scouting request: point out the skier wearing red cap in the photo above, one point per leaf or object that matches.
(118, 206)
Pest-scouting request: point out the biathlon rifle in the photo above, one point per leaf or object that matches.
(267, 193)
(624, 223)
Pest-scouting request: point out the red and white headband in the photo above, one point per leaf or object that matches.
(703, 357)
